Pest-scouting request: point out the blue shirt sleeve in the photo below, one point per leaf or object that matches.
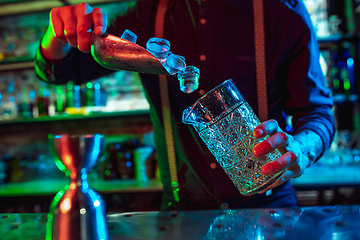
(311, 109)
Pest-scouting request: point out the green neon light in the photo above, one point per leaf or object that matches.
(346, 84)
(50, 216)
(54, 154)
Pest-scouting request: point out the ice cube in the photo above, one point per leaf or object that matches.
(129, 35)
(158, 47)
(189, 79)
(174, 63)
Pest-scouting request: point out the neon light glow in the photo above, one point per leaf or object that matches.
(65, 206)
(95, 153)
(82, 211)
(67, 159)
(346, 84)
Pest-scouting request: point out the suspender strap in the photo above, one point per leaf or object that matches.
(166, 111)
(260, 59)
(164, 94)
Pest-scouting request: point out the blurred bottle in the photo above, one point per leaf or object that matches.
(59, 102)
(2, 171)
(343, 71)
(126, 158)
(122, 160)
(7, 159)
(10, 109)
(126, 164)
(144, 163)
(75, 99)
(77, 96)
(97, 94)
(43, 101)
(32, 104)
(344, 86)
(16, 166)
(119, 159)
(69, 100)
(110, 169)
(348, 74)
(52, 100)
(1, 107)
(24, 106)
(30, 172)
(89, 99)
(335, 68)
(9, 104)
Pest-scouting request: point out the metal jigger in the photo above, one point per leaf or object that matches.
(77, 211)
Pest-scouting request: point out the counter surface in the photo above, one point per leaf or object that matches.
(326, 222)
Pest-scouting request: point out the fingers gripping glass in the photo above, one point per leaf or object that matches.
(225, 122)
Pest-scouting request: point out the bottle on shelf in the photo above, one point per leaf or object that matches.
(342, 73)
(32, 104)
(9, 109)
(89, 95)
(1, 106)
(69, 99)
(97, 94)
(59, 102)
(43, 101)
(3, 167)
(77, 96)
(24, 106)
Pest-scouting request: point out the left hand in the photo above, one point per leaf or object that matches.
(292, 160)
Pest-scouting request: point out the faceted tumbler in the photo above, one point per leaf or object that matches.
(225, 122)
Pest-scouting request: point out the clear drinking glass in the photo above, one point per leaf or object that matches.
(225, 122)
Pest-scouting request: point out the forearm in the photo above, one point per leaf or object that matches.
(311, 145)
(51, 48)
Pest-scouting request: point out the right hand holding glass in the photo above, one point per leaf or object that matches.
(73, 24)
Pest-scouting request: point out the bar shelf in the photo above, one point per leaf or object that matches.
(43, 187)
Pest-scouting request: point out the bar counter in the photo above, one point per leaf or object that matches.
(323, 222)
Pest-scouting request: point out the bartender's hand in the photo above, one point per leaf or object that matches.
(70, 26)
(298, 151)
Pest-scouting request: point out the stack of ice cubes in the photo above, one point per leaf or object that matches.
(188, 76)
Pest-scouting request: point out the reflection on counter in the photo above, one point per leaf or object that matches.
(330, 222)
